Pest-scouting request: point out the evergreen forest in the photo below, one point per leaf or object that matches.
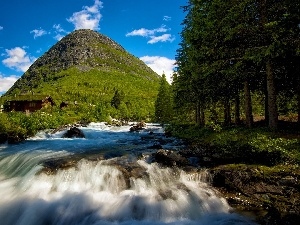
(239, 61)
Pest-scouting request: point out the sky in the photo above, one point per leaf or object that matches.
(150, 30)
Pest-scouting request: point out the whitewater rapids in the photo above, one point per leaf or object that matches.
(111, 182)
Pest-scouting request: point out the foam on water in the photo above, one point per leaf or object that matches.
(112, 191)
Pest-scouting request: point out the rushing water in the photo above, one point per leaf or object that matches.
(106, 178)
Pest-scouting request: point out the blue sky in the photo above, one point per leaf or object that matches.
(147, 29)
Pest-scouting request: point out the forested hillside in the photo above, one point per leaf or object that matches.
(89, 68)
(239, 59)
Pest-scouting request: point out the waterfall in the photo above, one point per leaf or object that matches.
(125, 189)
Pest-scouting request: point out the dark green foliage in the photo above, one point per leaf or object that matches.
(163, 103)
(17, 123)
(117, 99)
(226, 44)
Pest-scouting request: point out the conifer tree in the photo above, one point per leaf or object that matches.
(117, 99)
(163, 103)
(226, 44)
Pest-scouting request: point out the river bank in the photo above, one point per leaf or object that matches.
(268, 194)
(256, 171)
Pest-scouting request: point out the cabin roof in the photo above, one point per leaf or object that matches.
(30, 98)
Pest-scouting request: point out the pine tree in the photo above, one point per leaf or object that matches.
(117, 99)
(226, 44)
(163, 103)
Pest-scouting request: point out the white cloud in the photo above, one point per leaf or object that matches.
(162, 38)
(1, 28)
(7, 82)
(140, 32)
(160, 65)
(59, 31)
(38, 33)
(167, 18)
(88, 17)
(146, 33)
(18, 59)
(58, 28)
(39, 50)
(59, 37)
(143, 32)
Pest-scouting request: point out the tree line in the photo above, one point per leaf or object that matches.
(232, 49)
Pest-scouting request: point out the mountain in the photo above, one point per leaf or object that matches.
(88, 67)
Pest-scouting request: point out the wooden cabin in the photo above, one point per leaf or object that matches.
(28, 103)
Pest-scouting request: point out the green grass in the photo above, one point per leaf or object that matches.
(96, 88)
(92, 79)
(243, 145)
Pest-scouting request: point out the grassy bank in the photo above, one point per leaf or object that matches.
(17, 126)
(20, 125)
(243, 145)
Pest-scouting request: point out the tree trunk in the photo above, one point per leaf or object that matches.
(298, 95)
(266, 105)
(197, 114)
(248, 105)
(200, 119)
(298, 105)
(272, 106)
(237, 116)
(263, 20)
(227, 116)
(202, 116)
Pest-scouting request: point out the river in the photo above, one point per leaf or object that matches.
(107, 178)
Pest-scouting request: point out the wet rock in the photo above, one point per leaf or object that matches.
(74, 132)
(53, 165)
(155, 146)
(114, 122)
(168, 133)
(15, 138)
(130, 170)
(272, 193)
(170, 158)
(139, 126)
(3, 138)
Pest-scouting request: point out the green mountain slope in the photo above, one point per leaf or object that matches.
(88, 67)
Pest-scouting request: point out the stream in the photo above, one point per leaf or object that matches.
(106, 178)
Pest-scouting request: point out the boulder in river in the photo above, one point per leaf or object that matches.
(74, 132)
(170, 158)
(15, 138)
(3, 138)
(139, 126)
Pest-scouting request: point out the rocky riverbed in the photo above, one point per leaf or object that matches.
(271, 195)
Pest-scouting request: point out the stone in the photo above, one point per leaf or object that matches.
(139, 126)
(170, 158)
(3, 138)
(74, 132)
